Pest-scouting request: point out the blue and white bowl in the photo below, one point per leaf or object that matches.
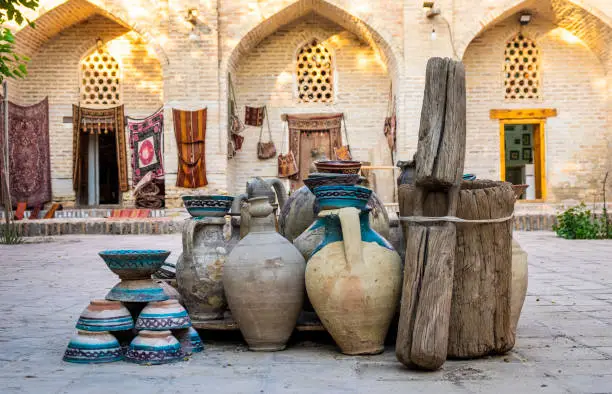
(145, 290)
(93, 347)
(105, 315)
(163, 315)
(340, 196)
(213, 205)
(190, 340)
(154, 347)
(133, 263)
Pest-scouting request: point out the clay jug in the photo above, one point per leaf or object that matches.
(199, 273)
(518, 288)
(272, 188)
(264, 282)
(353, 280)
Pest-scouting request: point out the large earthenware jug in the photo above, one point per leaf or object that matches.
(199, 273)
(353, 281)
(518, 289)
(272, 188)
(264, 282)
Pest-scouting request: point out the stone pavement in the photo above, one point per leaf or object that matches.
(564, 342)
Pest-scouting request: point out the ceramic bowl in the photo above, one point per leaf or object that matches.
(338, 166)
(92, 347)
(105, 315)
(145, 290)
(323, 179)
(154, 347)
(163, 315)
(519, 190)
(134, 264)
(213, 205)
(190, 340)
(338, 196)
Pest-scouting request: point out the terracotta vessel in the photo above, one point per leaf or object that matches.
(154, 347)
(272, 188)
(208, 206)
(338, 166)
(93, 347)
(134, 264)
(353, 281)
(518, 289)
(104, 315)
(144, 290)
(163, 315)
(199, 273)
(264, 282)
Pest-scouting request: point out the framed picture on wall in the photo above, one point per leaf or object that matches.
(517, 141)
(514, 155)
(527, 154)
(526, 140)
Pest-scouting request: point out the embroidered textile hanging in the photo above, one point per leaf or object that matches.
(254, 116)
(146, 140)
(91, 121)
(29, 158)
(190, 132)
(309, 131)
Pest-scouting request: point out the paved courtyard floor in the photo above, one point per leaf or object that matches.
(564, 342)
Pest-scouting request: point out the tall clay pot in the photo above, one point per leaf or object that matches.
(264, 282)
(518, 289)
(199, 273)
(353, 280)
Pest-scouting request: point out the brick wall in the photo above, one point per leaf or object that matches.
(54, 72)
(573, 82)
(267, 76)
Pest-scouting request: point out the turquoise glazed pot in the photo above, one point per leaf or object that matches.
(340, 196)
(134, 264)
(93, 347)
(190, 340)
(145, 290)
(163, 315)
(154, 348)
(105, 315)
(322, 179)
(213, 205)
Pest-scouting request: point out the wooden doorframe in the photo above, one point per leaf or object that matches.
(536, 117)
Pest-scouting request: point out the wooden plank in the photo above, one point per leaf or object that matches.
(531, 113)
(308, 321)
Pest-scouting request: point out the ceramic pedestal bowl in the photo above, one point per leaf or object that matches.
(154, 347)
(134, 264)
(144, 290)
(190, 340)
(328, 179)
(338, 166)
(92, 347)
(163, 315)
(339, 196)
(519, 190)
(105, 315)
(213, 205)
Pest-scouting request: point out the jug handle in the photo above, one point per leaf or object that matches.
(188, 235)
(351, 234)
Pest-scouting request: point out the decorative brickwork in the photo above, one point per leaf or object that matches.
(100, 80)
(315, 73)
(522, 69)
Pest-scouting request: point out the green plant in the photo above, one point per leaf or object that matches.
(579, 223)
(12, 65)
(9, 234)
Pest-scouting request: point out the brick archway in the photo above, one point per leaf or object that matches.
(582, 20)
(70, 12)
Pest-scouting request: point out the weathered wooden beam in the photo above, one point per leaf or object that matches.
(533, 113)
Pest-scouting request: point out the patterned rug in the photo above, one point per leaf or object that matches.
(30, 164)
(190, 133)
(91, 121)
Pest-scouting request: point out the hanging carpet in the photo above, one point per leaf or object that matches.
(254, 116)
(147, 141)
(98, 121)
(29, 158)
(190, 132)
(313, 135)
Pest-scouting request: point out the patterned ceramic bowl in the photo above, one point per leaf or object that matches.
(338, 196)
(104, 315)
(325, 179)
(145, 290)
(190, 340)
(338, 166)
(214, 205)
(134, 264)
(519, 190)
(154, 347)
(163, 315)
(92, 347)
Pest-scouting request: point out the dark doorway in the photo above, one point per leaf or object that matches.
(108, 170)
(99, 179)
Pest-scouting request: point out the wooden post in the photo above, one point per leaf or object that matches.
(422, 338)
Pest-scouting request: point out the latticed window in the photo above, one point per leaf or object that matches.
(315, 73)
(522, 69)
(100, 80)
